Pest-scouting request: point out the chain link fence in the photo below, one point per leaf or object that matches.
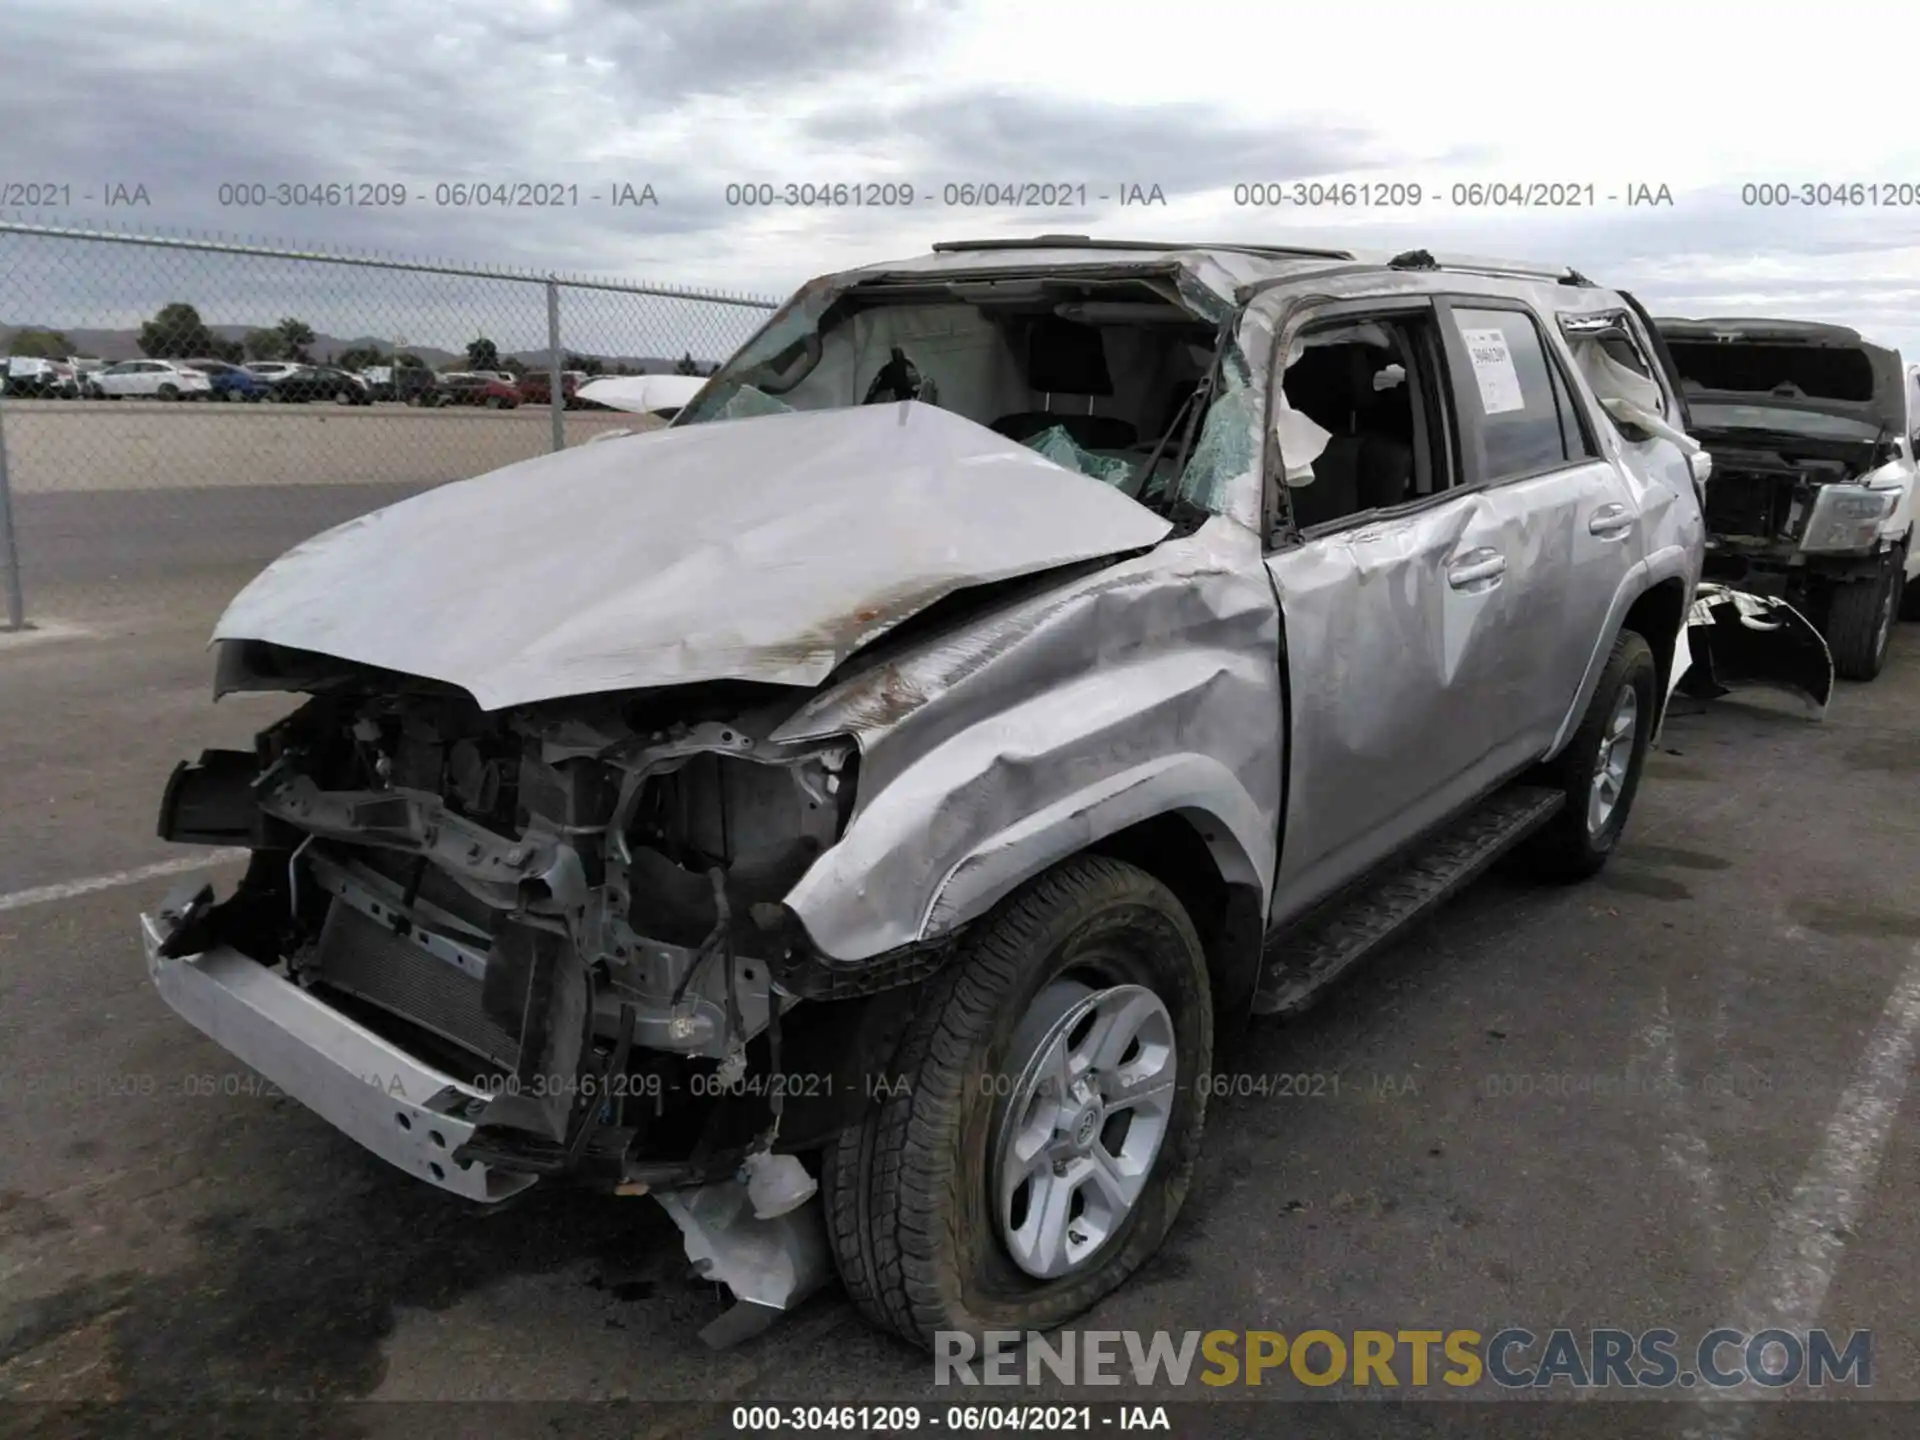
(184, 408)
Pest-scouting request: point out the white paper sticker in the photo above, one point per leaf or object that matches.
(1493, 368)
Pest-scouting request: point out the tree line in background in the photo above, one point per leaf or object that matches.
(177, 332)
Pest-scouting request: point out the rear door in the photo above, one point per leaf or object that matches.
(1567, 525)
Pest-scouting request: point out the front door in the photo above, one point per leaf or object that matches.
(1398, 603)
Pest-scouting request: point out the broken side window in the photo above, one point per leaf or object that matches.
(1614, 362)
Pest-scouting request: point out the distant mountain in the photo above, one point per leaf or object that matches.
(125, 345)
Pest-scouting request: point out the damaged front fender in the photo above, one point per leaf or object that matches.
(1149, 688)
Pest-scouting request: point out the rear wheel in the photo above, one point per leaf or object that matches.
(1860, 618)
(169, 392)
(494, 402)
(1599, 771)
(1045, 1132)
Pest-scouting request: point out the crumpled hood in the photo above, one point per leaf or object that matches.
(767, 549)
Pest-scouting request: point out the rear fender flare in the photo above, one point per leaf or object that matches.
(1669, 563)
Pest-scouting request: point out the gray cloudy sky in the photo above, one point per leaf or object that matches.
(693, 95)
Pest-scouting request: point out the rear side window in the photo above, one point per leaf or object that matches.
(1527, 420)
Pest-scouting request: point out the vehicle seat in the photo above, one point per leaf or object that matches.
(1335, 489)
(1065, 358)
(1354, 473)
(1385, 472)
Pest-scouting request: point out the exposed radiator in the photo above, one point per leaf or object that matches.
(359, 955)
(1749, 505)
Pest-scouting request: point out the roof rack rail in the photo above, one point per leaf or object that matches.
(1473, 265)
(1087, 242)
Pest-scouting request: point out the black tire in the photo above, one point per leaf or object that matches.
(1859, 625)
(169, 392)
(905, 1192)
(1568, 847)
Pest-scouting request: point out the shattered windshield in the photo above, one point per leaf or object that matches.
(1119, 379)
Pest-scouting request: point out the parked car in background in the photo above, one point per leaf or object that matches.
(415, 381)
(151, 379)
(272, 370)
(986, 762)
(1813, 432)
(536, 387)
(32, 376)
(475, 388)
(232, 382)
(322, 382)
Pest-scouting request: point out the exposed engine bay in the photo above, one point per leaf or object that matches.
(580, 910)
(1770, 499)
(1760, 498)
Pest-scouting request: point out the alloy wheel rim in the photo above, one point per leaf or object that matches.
(1616, 754)
(1082, 1125)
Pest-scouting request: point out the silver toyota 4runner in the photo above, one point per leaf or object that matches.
(858, 814)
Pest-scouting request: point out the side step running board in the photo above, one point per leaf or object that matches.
(1303, 958)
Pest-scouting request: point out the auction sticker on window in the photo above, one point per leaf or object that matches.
(1493, 368)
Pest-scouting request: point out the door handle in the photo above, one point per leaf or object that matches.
(1610, 521)
(1475, 566)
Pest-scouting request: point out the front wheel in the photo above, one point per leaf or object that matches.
(1044, 1131)
(1599, 771)
(1860, 619)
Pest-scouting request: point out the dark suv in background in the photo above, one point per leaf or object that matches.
(411, 384)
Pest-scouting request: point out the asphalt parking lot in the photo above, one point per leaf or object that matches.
(1670, 1097)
